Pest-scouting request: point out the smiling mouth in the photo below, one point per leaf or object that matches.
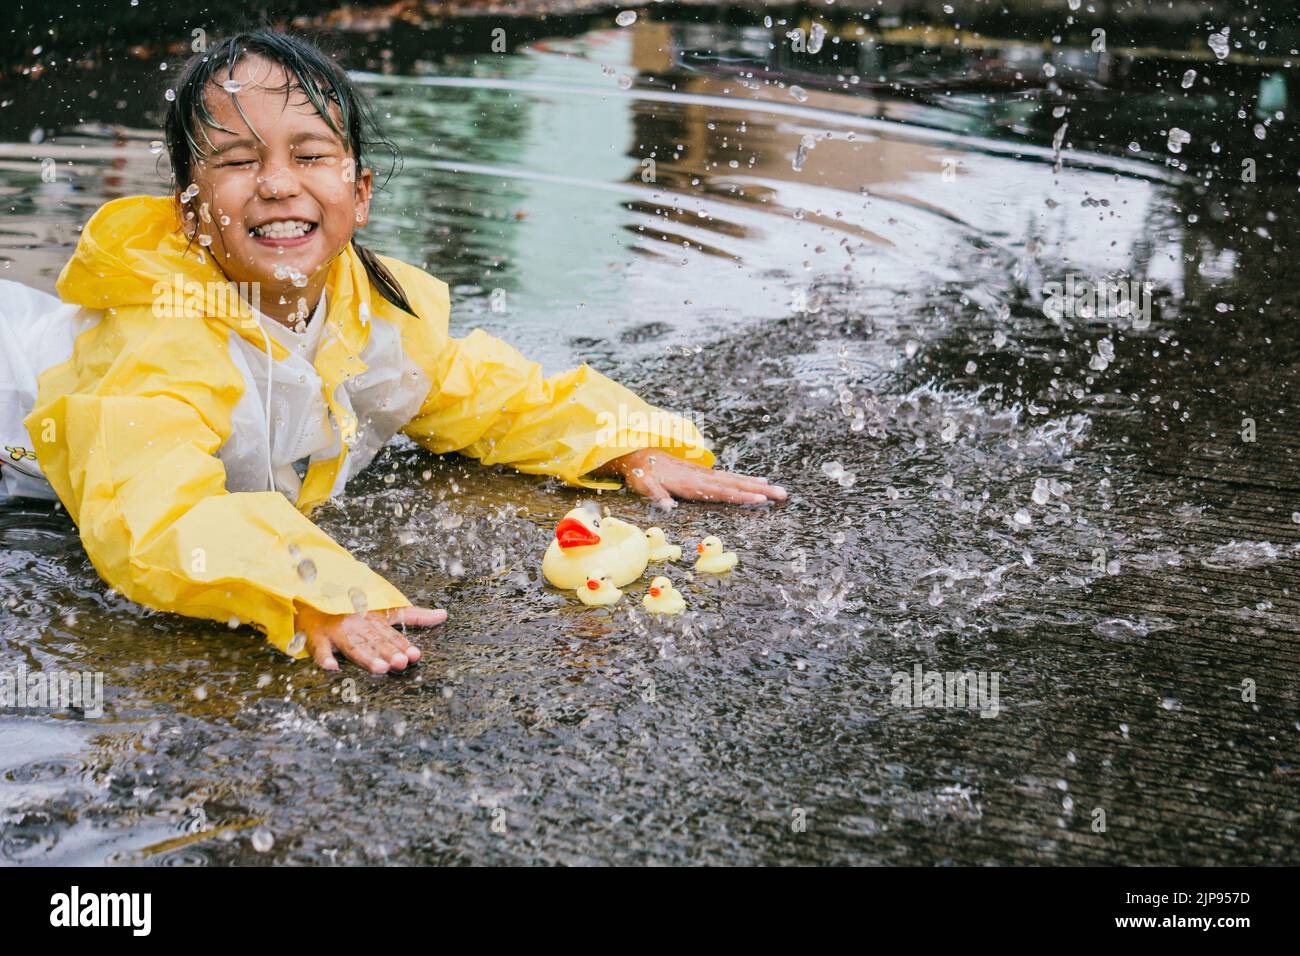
(283, 230)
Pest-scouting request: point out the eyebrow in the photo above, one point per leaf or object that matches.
(247, 142)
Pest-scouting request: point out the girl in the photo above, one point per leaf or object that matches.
(225, 359)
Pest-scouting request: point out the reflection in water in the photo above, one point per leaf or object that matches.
(843, 281)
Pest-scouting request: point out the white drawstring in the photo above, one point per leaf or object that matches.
(270, 378)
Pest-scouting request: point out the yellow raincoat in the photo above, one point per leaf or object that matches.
(128, 430)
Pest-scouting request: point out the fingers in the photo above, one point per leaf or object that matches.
(359, 649)
(656, 492)
(368, 640)
(729, 492)
(411, 617)
(757, 486)
(690, 480)
(370, 643)
(723, 487)
(322, 652)
(415, 616)
(750, 483)
(389, 645)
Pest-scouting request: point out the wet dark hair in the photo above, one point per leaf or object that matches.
(320, 79)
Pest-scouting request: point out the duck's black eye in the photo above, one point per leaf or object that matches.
(595, 522)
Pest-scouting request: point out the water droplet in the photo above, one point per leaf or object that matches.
(358, 599)
(626, 18)
(156, 146)
(297, 643)
(816, 37)
(799, 93)
(1188, 79)
(307, 569)
(232, 86)
(170, 96)
(1219, 43)
(801, 154)
(262, 840)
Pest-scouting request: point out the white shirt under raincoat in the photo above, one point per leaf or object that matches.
(149, 418)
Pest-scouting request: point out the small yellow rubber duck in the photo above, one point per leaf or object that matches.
(712, 559)
(599, 591)
(660, 549)
(663, 598)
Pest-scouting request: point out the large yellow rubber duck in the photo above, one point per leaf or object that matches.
(663, 598)
(587, 546)
(712, 559)
(660, 549)
(598, 592)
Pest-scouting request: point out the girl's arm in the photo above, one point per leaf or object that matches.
(127, 432)
(490, 402)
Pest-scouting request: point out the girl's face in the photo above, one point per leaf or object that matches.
(279, 210)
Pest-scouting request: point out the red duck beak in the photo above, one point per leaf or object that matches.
(572, 533)
(593, 585)
(700, 547)
(654, 592)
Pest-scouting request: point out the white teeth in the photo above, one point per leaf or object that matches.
(285, 229)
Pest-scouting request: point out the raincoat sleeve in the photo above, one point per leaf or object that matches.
(127, 432)
(489, 402)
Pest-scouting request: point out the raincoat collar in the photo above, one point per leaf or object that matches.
(133, 245)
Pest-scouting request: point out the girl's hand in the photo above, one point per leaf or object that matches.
(365, 639)
(661, 477)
